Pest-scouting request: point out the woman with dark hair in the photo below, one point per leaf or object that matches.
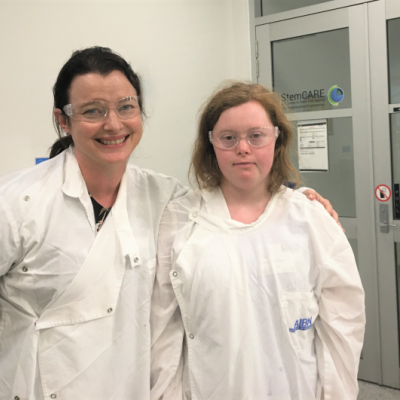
(97, 60)
(257, 294)
(78, 236)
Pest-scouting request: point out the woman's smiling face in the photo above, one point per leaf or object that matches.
(244, 167)
(94, 142)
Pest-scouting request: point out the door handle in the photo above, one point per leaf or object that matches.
(384, 218)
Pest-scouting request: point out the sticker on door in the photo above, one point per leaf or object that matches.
(383, 193)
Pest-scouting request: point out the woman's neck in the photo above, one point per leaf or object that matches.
(245, 205)
(103, 183)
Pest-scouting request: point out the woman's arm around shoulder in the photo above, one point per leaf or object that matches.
(311, 194)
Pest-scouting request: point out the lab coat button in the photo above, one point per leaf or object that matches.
(24, 269)
(194, 215)
(175, 274)
(191, 336)
(53, 396)
(136, 259)
(26, 198)
(109, 310)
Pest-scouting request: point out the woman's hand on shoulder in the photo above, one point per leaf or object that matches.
(313, 195)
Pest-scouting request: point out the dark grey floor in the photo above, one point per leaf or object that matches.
(369, 391)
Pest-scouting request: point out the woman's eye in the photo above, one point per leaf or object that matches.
(227, 138)
(92, 111)
(257, 135)
(126, 107)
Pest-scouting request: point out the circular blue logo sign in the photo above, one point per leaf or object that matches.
(335, 95)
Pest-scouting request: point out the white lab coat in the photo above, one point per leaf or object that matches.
(74, 305)
(272, 310)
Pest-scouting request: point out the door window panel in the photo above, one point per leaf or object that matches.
(395, 149)
(337, 184)
(276, 6)
(312, 72)
(393, 30)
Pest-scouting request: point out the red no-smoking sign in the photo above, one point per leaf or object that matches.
(383, 193)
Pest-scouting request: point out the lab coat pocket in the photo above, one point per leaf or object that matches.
(300, 309)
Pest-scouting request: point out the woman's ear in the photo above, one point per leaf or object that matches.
(61, 119)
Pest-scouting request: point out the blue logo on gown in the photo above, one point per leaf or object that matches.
(302, 324)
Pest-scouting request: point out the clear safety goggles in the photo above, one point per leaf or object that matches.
(97, 110)
(256, 137)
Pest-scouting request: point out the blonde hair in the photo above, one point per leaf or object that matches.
(204, 166)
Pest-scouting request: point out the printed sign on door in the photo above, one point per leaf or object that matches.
(383, 193)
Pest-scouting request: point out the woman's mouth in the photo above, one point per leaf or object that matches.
(116, 141)
(244, 164)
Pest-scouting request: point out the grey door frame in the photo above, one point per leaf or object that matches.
(362, 228)
(256, 18)
(256, 9)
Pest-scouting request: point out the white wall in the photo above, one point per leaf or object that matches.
(182, 48)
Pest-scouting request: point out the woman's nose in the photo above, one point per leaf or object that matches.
(113, 121)
(243, 146)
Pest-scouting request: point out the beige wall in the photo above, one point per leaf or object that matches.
(182, 48)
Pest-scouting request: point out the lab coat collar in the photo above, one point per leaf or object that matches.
(75, 186)
(216, 217)
(122, 225)
(215, 203)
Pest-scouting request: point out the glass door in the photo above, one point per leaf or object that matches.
(319, 65)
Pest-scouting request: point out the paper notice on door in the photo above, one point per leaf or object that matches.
(313, 145)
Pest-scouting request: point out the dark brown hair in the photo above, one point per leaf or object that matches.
(204, 166)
